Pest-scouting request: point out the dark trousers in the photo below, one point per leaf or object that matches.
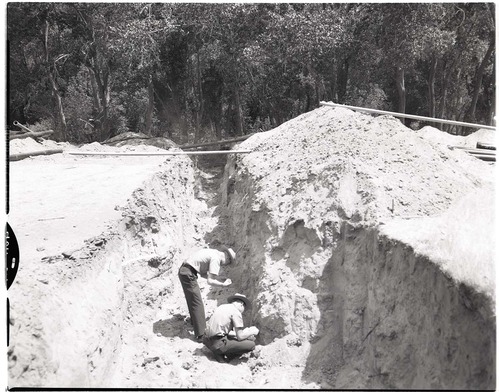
(229, 347)
(189, 280)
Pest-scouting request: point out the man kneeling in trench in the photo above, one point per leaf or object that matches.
(225, 334)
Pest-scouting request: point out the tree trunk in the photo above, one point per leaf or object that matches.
(215, 129)
(95, 90)
(443, 99)
(478, 81)
(59, 117)
(334, 96)
(101, 91)
(238, 110)
(400, 80)
(492, 115)
(457, 103)
(106, 88)
(150, 107)
(492, 112)
(342, 80)
(431, 90)
(199, 114)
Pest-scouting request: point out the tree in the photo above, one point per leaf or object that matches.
(485, 18)
(136, 42)
(51, 64)
(201, 71)
(44, 48)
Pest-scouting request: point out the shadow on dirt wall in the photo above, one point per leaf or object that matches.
(388, 318)
(247, 270)
(392, 319)
(341, 298)
(208, 186)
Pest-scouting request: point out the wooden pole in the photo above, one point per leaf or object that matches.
(484, 157)
(220, 142)
(29, 134)
(395, 114)
(474, 150)
(160, 153)
(18, 157)
(485, 146)
(23, 127)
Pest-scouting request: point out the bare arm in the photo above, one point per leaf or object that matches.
(212, 280)
(246, 333)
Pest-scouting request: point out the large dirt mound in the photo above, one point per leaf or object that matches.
(309, 207)
(348, 244)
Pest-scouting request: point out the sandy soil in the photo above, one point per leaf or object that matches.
(60, 204)
(354, 225)
(97, 303)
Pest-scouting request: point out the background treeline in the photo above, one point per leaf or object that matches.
(197, 72)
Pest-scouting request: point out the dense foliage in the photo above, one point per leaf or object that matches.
(199, 71)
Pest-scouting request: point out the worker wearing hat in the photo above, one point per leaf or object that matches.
(225, 334)
(205, 263)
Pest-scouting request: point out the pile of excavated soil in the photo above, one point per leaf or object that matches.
(350, 239)
(372, 243)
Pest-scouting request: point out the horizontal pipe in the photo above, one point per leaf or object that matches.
(161, 153)
(485, 157)
(485, 146)
(474, 150)
(18, 135)
(18, 157)
(395, 114)
(18, 124)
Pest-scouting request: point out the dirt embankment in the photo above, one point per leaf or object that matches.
(84, 301)
(400, 311)
(347, 237)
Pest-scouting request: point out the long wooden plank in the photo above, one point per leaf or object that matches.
(18, 157)
(474, 150)
(484, 157)
(395, 114)
(160, 153)
(32, 134)
(486, 146)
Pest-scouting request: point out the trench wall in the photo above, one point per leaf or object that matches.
(376, 314)
(72, 316)
(158, 229)
(65, 320)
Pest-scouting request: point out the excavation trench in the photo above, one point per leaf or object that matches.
(372, 312)
(340, 303)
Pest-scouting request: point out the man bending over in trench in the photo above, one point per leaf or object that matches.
(225, 335)
(205, 262)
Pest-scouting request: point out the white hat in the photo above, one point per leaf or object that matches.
(230, 254)
(240, 297)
